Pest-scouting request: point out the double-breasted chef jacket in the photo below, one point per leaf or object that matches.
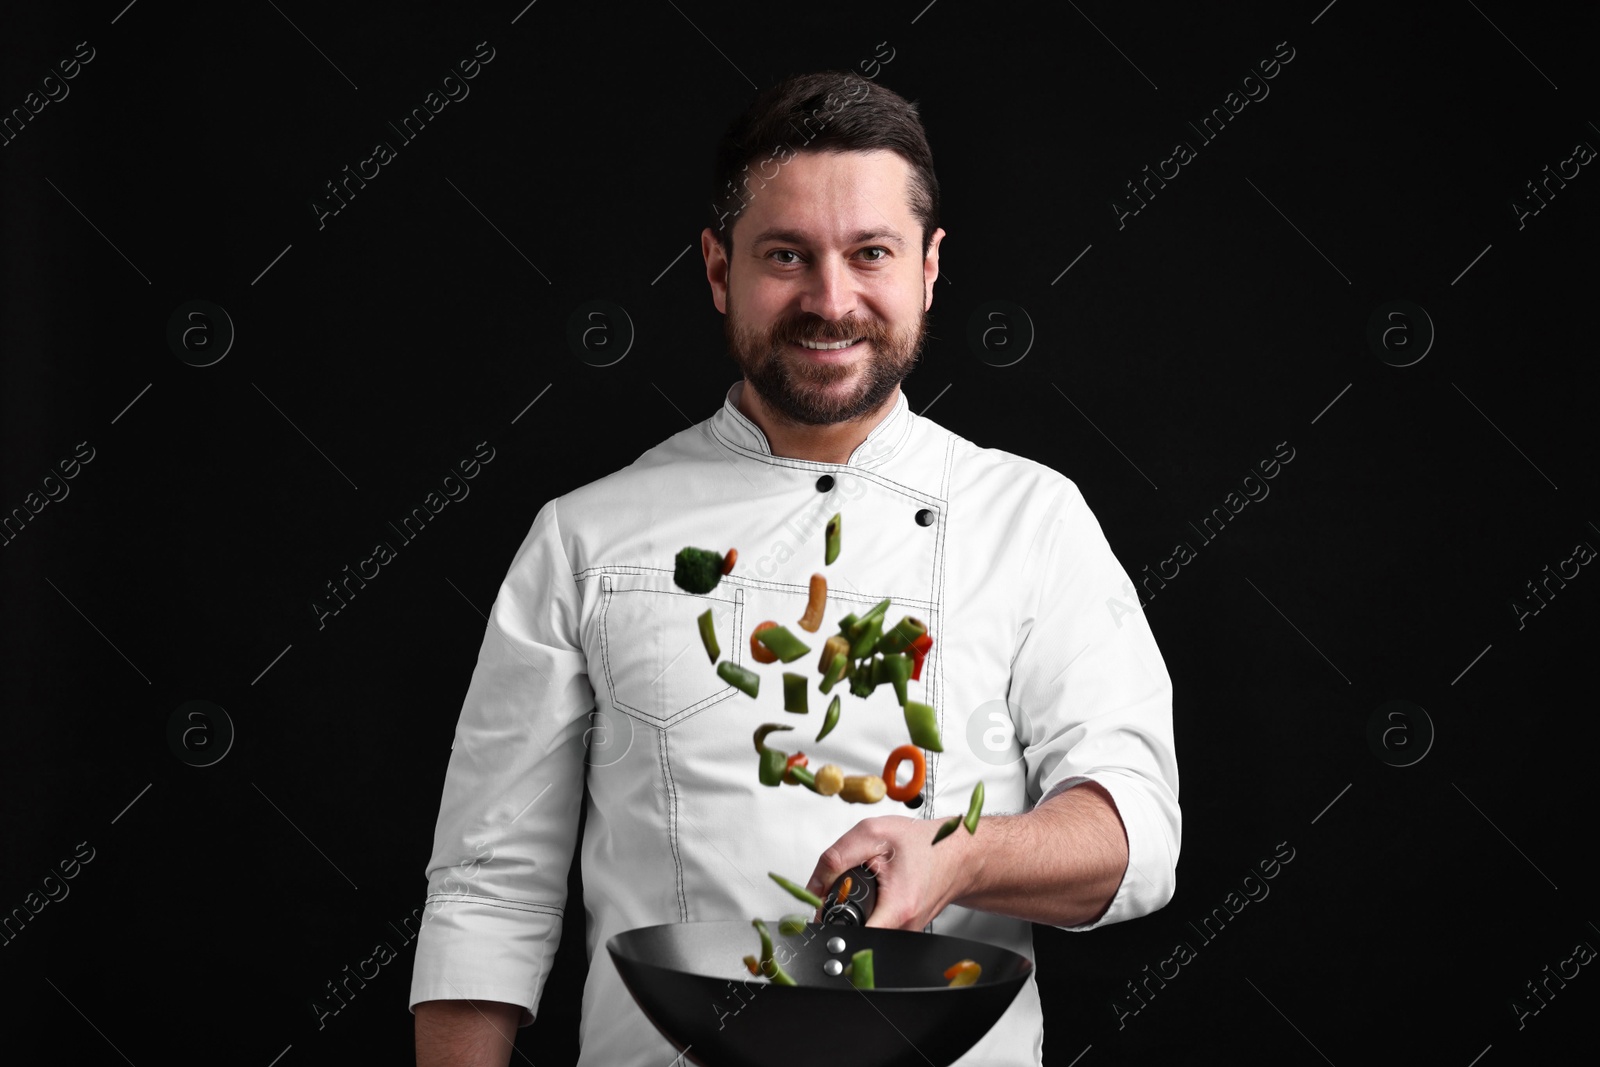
(592, 687)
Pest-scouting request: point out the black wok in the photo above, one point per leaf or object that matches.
(689, 980)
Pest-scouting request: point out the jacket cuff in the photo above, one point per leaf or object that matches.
(1151, 876)
(480, 948)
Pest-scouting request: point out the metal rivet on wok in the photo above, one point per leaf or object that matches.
(833, 967)
(836, 944)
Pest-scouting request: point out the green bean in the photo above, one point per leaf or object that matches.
(947, 829)
(974, 806)
(831, 535)
(871, 630)
(877, 612)
(800, 892)
(831, 719)
(767, 728)
(861, 969)
(773, 763)
(923, 723)
(776, 973)
(836, 670)
(783, 644)
(740, 678)
(895, 669)
(708, 636)
(861, 683)
(794, 693)
(899, 639)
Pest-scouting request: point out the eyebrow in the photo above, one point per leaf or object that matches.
(860, 237)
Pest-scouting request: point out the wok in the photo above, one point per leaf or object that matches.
(689, 980)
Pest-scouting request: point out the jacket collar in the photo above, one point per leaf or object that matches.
(731, 428)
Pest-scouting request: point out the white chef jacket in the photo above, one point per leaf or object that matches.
(592, 687)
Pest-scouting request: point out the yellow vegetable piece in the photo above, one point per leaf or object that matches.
(863, 789)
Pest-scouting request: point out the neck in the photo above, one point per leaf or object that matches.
(832, 443)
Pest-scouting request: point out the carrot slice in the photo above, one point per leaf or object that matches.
(918, 771)
(759, 652)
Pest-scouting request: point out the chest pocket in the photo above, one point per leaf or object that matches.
(651, 655)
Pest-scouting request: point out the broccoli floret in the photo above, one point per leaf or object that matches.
(696, 570)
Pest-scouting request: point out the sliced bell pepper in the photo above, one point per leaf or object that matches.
(919, 651)
(963, 973)
(797, 760)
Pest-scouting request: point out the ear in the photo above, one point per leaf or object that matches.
(930, 268)
(716, 268)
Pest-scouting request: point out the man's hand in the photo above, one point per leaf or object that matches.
(915, 880)
(1060, 863)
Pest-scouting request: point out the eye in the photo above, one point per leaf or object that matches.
(784, 252)
(877, 248)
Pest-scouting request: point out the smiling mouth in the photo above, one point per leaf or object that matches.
(829, 346)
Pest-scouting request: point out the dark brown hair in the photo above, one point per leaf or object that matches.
(829, 111)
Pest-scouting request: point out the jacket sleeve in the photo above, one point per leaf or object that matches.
(1095, 699)
(508, 819)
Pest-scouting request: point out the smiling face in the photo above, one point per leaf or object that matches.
(828, 292)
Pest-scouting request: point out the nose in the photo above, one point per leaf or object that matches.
(830, 293)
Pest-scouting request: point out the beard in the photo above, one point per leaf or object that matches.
(800, 391)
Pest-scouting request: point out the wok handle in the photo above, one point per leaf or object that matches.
(858, 903)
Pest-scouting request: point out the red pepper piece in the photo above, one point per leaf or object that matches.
(919, 651)
(796, 760)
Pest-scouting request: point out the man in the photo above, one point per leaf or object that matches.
(590, 686)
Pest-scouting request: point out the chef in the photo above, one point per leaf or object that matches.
(593, 690)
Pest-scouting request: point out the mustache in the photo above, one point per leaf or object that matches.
(821, 331)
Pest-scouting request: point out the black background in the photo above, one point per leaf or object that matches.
(1229, 315)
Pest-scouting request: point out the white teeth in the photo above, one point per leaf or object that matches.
(821, 347)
